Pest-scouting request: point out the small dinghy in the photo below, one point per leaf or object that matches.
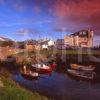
(30, 75)
(27, 73)
(83, 68)
(81, 74)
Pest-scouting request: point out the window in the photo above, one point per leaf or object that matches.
(84, 33)
(85, 38)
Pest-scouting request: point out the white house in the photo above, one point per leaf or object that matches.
(51, 43)
(46, 43)
(44, 46)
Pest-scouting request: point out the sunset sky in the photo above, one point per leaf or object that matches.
(24, 19)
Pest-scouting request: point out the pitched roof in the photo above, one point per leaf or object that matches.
(82, 33)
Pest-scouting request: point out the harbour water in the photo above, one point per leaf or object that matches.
(60, 86)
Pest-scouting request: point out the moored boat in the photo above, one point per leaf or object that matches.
(82, 67)
(27, 73)
(44, 68)
(81, 74)
(30, 75)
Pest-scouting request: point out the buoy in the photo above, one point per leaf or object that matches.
(24, 69)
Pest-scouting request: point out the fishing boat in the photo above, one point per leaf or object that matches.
(42, 68)
(81, 74)
(83, 68)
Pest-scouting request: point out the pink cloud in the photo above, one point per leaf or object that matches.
(84, 8)
(77, 15)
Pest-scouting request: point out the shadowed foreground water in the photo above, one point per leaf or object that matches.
(61, 87)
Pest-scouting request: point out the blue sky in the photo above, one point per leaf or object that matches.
(21, 21)
(24, 19)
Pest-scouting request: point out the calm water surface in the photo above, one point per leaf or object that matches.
(60, 87)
